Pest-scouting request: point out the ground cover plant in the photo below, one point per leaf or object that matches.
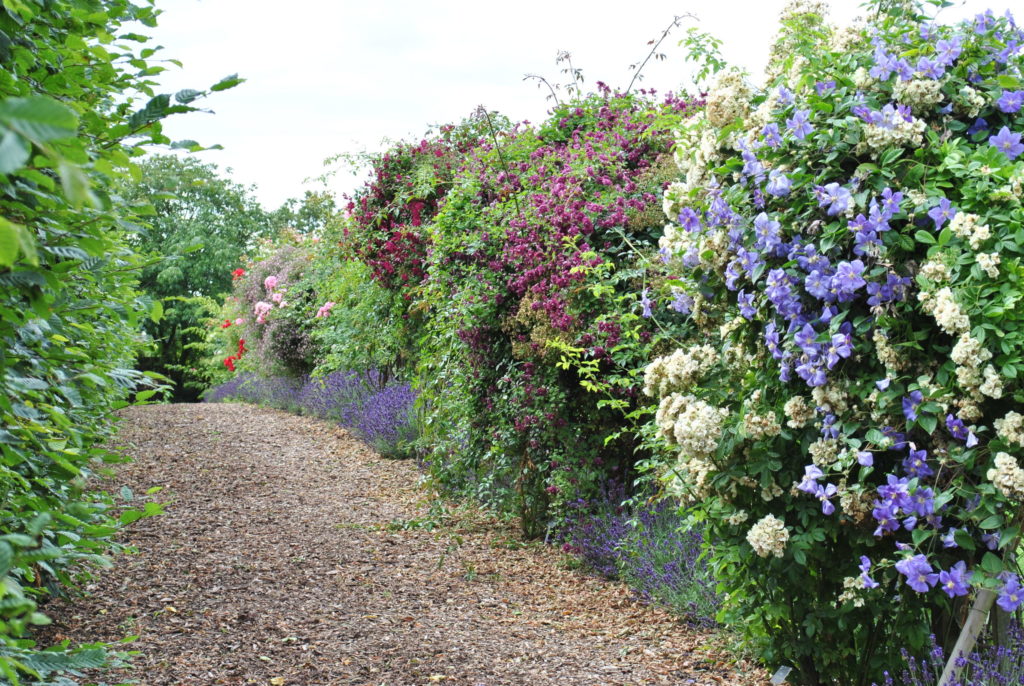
(842, 403)
(70, 308)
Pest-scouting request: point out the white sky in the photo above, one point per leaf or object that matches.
(329, 77)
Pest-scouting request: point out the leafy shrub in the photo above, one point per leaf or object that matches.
(529, 299)
(76, 106)
(274, 315)
(842, 403)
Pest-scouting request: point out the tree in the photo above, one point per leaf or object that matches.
(201, 228)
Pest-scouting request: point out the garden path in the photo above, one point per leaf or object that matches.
(291, 554)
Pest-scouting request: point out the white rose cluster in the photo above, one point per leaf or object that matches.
(887, 354)
(678, 371)
(830, 398)
(852, 585)
(900, 134)
(798, 412)
(768, 536)
(969, 227)
(758, 426)
(919, 94)
(943, 306)
(824, 451)
(969, 355)
(1011, 428)
(697, 151)
(692, 424)
(728, 99)
(989, 263)
(969, 102)
(673, 200)
(1007, 476)
(935, 269)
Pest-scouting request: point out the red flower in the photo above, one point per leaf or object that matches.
(229, 362)
(241, 348)
(226, 324)
(237, 274)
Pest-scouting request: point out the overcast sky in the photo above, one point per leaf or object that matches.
(324, 78)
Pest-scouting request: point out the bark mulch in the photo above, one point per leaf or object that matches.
(292, 554)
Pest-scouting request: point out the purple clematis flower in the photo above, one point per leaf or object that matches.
(916, 464)
(848, 279)
(689, 219)
(865, 567)
(911, 404)
(1007, 143)
(835, 196)
(955, 581)
(918, 572)
(824, 494)
(942, 212)
(1010, 101)
(809, 484)
(1010, 595)
(946, 51)
(800, 124)
(646, 303)
(772, 135)
(778, 184)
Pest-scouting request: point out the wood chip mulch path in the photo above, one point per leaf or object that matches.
(290, 554)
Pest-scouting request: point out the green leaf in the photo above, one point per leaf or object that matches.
(928, 422)
(226, 83)
(38, 118)
(187, 95)
(156, 311)
(14, 152)
(991, 564)
(925, 237)
(6, 557)
(964, 540)
(992, 522)
(76, 185)
(16, 240)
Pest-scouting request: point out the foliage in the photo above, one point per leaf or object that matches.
(531, 328)
(361, 325)
(407, 185)
(842, 403)
(199, 222)
(76, 105)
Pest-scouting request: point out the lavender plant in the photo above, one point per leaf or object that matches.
(382, 415)
(649, 545)
(996, 664)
